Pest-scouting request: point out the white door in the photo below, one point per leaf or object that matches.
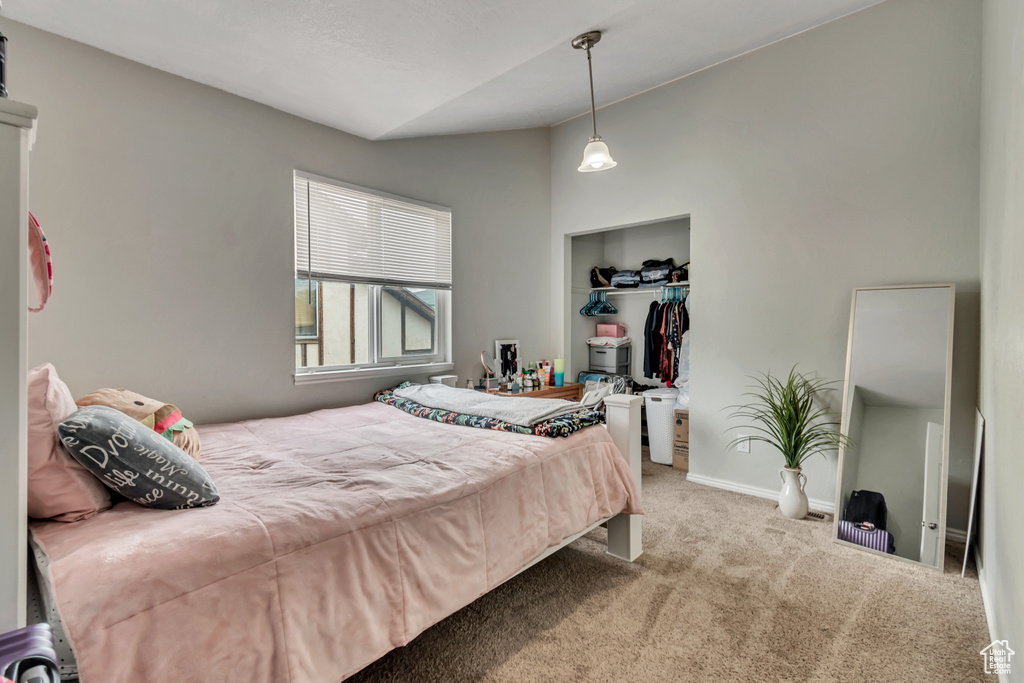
(930, 526)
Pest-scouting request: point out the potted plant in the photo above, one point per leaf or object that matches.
(788, 416)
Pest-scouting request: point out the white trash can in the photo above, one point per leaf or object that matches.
(661, 406)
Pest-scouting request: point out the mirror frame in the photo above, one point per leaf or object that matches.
(498, 343)
(489, 363)
(946, 410)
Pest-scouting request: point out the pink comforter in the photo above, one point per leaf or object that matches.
(340, 535)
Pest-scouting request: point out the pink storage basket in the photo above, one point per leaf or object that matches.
(611, 330)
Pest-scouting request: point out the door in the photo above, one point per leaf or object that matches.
(930, 526)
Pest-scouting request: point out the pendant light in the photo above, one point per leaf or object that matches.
(595, 156)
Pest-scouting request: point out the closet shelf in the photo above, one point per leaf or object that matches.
(633, 290)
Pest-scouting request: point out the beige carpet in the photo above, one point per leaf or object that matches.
(727, 589)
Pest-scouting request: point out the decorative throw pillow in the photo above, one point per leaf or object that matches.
(58, 487)
(135, 461)
(163, 418)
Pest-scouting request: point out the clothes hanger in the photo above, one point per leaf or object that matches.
(606, 307)
(611, 307)
(586, 307)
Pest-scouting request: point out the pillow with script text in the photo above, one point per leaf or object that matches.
(135, 461)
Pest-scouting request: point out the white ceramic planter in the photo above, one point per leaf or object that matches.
(792, 499)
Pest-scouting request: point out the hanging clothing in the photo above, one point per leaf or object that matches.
(650, 350)
(666, 324)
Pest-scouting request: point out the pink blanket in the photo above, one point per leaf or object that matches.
(340, 535)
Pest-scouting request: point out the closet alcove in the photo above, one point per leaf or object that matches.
(626, 248)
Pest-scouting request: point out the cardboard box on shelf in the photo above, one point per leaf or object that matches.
(681, 441)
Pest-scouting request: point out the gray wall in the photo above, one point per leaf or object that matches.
(585, 249)
(1002, 348)
(844, 156)
(168, 205)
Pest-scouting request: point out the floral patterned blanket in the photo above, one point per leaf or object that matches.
(563, 425)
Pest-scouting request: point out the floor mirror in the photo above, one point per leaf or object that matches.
(891, 488)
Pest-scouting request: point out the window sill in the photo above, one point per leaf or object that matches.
(371, 373)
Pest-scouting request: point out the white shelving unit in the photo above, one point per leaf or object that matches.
(17, 124)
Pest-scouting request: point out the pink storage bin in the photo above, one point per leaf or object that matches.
(611, 330)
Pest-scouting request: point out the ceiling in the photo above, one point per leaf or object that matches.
(427, 67)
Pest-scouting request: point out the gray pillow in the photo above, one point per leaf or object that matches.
(135, 461)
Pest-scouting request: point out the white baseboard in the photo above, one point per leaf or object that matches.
(828, 506)
(958, 535)
(987, 602)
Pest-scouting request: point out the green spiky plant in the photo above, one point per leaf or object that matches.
(788, 417)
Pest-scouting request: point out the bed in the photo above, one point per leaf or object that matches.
(340, 535)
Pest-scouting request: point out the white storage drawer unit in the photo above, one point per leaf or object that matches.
(613, 359)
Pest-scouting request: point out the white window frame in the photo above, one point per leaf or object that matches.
(379, 365)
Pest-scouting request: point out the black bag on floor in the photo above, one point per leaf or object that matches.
(866, 506)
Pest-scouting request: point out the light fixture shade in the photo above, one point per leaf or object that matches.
(596, 156)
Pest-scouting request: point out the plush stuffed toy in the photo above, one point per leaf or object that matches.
(40, 262)
(163, 418)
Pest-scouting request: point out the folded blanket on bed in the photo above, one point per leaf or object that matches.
(518, 410)
(563, 425)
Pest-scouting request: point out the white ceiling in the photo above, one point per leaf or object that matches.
(427, 67)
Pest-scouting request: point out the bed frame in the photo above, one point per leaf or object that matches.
(624, 530)
(622, 416)
(622, 419)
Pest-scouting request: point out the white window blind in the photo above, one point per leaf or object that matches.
(353, 234)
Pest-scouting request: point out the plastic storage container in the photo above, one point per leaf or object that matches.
(661, 424)
(614, 359)
(611, 330)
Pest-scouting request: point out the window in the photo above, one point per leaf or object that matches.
(307, 310)
(372, 280)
